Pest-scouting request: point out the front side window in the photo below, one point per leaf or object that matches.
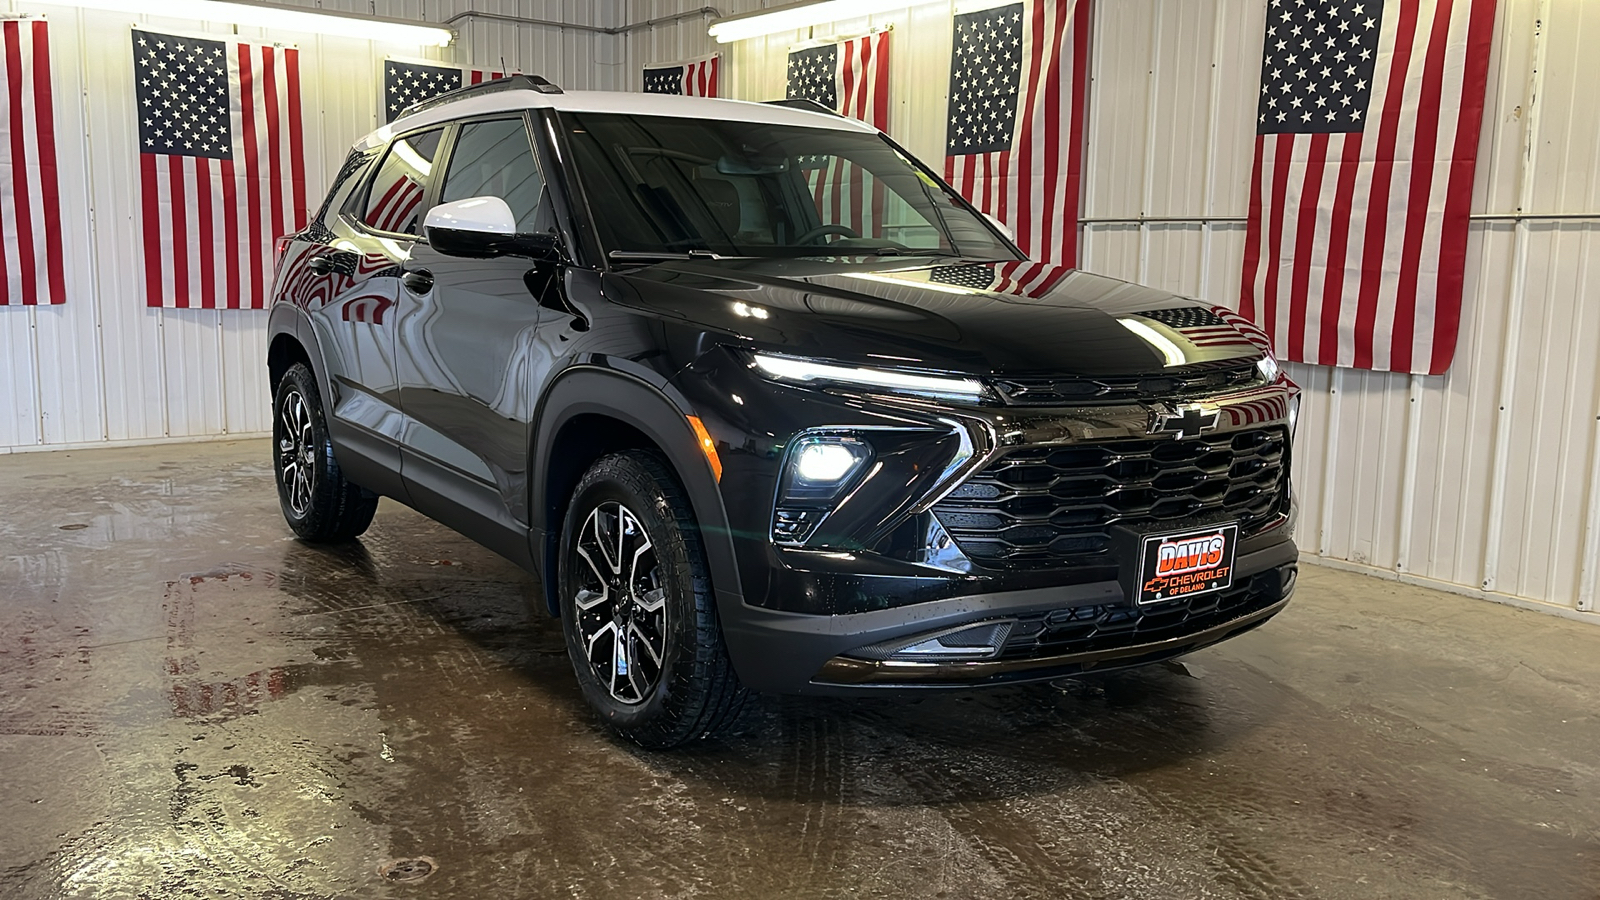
(494, 159)
(659, 184)
(394, 201)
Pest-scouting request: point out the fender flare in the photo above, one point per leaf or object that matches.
(286, 319)
(659, 412)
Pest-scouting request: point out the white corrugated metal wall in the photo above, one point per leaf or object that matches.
(104, 368)
(1486, 480)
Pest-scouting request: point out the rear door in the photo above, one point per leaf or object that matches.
(475, 344)
(348, 279)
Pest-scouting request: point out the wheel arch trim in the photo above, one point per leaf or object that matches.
(659, 412)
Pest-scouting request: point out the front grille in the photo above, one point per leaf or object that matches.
(1178, 384)
(1038, 507)
(1086, 629)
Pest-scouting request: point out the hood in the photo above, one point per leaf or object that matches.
(1010, 318)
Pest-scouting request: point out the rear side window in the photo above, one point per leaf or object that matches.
(394, 201)
(494, 159)
(350, 176)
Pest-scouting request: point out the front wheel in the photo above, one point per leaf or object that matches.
(318, 502)
(637, 606)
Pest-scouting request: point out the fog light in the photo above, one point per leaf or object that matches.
(819, 468)
(821, 463)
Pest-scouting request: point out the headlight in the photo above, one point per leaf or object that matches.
(810, 371)
(1294, 414)
(1268, 365)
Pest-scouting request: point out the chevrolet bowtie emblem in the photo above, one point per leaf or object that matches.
(1186, 421)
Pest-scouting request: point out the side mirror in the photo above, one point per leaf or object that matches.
(483, 227)
(1002, 227)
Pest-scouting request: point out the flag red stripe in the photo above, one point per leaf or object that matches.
(1074, 176)
(269, 94)
(1422, 158)
(180, 232)
(230, 231)
(1378, 201)
(1304, 243)
(1458, 190)
(1252, 238)
(1280, 189)
(252, 176)
(49, 182)
(852, 102)
(1025, 140)
(154, 265)
(21, 210)
(297, 157)
(1338, 247)
(203, 234)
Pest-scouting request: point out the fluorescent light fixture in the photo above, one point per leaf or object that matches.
(251, 13)
(789, 368)
(795, 16)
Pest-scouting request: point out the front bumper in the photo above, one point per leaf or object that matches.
(796, 653)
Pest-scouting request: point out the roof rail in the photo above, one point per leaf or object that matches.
(802, 103)
(505, 83)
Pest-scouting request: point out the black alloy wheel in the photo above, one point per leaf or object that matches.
(621, 602)
(637, 606)
(318, 502)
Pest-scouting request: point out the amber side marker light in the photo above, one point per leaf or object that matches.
(707, 446)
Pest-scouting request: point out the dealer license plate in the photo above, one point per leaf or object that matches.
(1184, 563)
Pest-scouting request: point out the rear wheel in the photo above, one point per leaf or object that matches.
(318, 502)
(637, 606)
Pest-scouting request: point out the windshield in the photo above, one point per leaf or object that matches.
(660, 185)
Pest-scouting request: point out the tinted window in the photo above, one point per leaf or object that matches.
(660, 185)
(494, 159)
(394, 202)
(347, 180)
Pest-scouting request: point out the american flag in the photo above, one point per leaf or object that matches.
(695, 78)
(405, 83)
(222, 172)
(1014, 145)
(1366, 139)
(851, 78)
(30, 199)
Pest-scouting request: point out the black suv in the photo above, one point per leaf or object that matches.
(767, 406)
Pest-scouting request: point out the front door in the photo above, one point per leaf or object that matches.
(474, 343)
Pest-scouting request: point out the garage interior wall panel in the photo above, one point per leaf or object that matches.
(1423, 478)
(104, 368)
(1486, 479)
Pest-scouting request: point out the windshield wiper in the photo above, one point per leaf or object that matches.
(909, 251)
(659, 255)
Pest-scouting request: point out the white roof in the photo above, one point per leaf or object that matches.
(517, 99)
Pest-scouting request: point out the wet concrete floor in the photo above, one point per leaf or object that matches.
(194, 705)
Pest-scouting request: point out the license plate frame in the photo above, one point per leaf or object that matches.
(1176, 565)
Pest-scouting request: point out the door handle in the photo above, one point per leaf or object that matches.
(320, 265)
(417, 281)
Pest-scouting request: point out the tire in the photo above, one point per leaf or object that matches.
(675, 684)
(318, 502)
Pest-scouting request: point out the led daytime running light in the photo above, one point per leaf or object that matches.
(789, 368)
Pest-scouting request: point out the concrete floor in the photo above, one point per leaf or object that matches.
(193, 704)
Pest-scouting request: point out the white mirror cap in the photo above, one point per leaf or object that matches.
(1004, 228)
(485, 215)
